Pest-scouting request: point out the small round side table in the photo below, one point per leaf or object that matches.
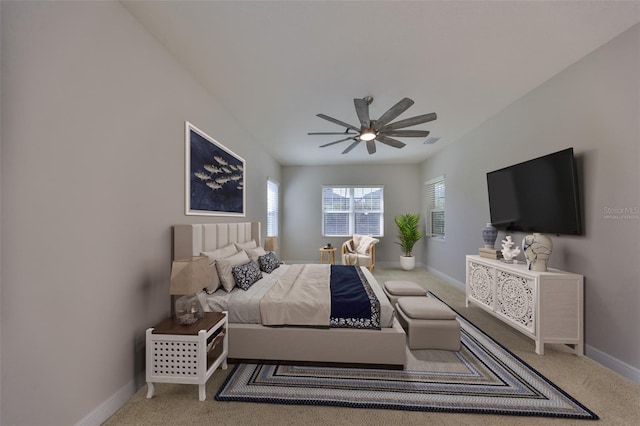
(331, 255)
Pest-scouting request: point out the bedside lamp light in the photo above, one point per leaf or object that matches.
(271, 243)
(189, 276)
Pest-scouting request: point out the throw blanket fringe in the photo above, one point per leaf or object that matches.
(350, 258)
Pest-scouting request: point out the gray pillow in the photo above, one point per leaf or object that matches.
(214, 255)
(255, 253)
(224, 268)
(247, 245)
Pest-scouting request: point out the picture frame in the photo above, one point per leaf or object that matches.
(214, 177)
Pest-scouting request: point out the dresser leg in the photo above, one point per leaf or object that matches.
(202, 392)
(539, 347)
(150, 389)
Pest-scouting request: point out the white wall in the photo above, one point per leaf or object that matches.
(92, 174)
(0, 218)
(593, 106)
(302, 206)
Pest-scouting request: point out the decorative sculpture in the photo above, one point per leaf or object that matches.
(537, 249)
(509, 252)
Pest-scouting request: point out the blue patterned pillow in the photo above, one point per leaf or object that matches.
(247, 274)
(268, 262)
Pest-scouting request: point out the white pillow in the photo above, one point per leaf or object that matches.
(255, 253)
(225, 265)
(365, 241)
(214, 255)
(356, 240)
(247, 245)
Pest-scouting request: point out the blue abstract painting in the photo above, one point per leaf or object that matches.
(215, 177)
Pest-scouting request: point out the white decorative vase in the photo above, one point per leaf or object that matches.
(407, 262)
(537, 250)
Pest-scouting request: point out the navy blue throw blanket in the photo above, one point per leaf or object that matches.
(353, 302)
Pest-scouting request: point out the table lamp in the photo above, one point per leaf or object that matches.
(188, 277)
(271, 243)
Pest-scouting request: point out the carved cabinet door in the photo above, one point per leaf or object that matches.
(515, 297)
(480, 284)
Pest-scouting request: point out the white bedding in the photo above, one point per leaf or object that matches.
(302, 296)
(244, 306)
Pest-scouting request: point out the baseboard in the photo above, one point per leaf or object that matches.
(462, 286)
(387, 264)
(622, 368)
(109, 407)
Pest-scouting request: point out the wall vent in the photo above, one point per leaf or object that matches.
(431, 140)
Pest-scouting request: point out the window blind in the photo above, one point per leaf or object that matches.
(272, 208)
(348, 210)
(435, 222)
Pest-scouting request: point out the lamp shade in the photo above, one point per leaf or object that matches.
(189, 276)
(271, 243)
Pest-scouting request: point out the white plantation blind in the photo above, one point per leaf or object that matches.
(348, 210)
(435, 207)
(272, 208)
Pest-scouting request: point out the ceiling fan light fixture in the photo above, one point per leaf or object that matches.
(367, 135)
(382, 130)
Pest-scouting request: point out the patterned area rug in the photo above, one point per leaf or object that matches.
(482, 378)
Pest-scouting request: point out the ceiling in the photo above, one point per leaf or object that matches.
(274, 65)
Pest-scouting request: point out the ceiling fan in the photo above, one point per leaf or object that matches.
(379, 130)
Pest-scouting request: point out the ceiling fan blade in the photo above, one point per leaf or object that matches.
(350, 147)
(407, 133)
(330, 133)
(392, 113)
(335, 142)
(419, 119)
(389, 141)
(371, 147)
(362, 109)
(338, 122)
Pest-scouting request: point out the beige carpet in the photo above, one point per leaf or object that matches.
(615, 399)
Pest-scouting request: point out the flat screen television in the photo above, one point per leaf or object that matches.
(539, 195)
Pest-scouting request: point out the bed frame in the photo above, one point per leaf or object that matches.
(256, 342)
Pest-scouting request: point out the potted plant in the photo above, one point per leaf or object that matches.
(409, 234)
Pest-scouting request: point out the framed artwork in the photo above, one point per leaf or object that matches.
(215, 176)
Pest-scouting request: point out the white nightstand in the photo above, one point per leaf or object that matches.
(187, 354)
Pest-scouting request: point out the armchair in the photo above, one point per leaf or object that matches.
(360, 250)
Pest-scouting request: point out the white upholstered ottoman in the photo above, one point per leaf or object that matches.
(396, 289)
(429, 323)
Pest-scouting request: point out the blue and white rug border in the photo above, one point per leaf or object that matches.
(351, 404)
(541, 376)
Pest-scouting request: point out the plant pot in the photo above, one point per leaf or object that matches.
(407, 262)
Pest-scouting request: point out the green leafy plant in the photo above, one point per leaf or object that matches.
(409, 234)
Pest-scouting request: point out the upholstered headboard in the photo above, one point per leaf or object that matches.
(190, 240)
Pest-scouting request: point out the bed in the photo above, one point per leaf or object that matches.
(250, 340)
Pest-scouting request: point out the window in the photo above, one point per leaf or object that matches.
(348, 210)
(272, 208)
(435, 207)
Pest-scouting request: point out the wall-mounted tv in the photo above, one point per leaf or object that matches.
(539, 195)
